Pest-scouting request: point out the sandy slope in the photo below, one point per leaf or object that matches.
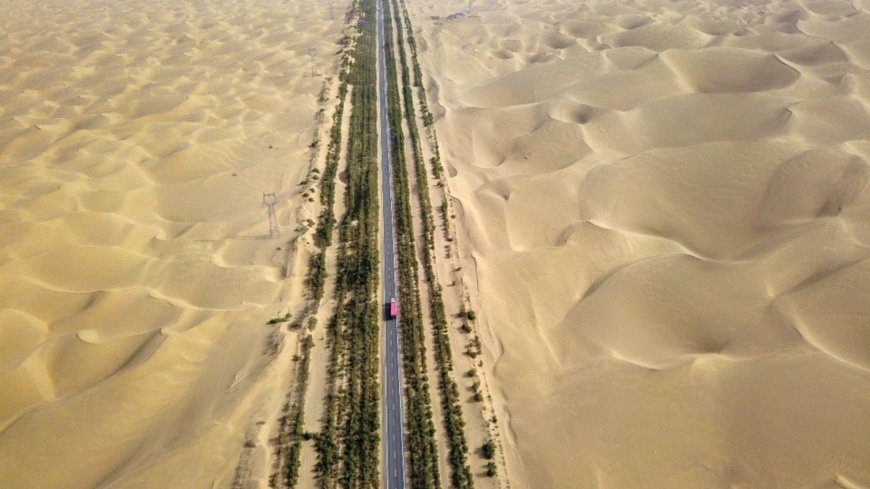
(136, 140)
(666, 211)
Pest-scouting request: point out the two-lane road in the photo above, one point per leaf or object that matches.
(394, 450)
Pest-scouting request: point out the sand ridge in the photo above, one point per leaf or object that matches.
(664, 206)
(136, 141)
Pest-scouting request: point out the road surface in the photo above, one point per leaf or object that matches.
(394, 434)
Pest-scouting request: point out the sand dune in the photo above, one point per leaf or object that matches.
(136, 141)
(664, 207)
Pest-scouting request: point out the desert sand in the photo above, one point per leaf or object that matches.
(663, 216)
(136, 141)
(665, 219)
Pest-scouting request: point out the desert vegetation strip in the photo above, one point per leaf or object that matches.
(290, 433)
(418, 73)
(453, 421)
(323, 233)
(419, 425)
(348, 442)
(452, 412)
(473, 350)
(290, 425)
(288, 444)
(426, 114)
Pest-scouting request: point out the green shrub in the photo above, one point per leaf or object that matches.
(488, 450)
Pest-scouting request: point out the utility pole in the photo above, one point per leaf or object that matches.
(331, 9)
(313, 53)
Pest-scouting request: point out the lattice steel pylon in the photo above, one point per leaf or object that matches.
(270, 201)
(313, 53)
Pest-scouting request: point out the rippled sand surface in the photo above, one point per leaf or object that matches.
(136, 141)
(666, 211)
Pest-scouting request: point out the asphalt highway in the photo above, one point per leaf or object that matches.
(394, 450)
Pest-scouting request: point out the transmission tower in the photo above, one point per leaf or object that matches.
(270, 201)
(313, 53)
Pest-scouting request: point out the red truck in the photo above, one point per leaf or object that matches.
(394, 309)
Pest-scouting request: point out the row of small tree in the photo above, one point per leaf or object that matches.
(420, 427)
(450, 402)
(348, 444)
(450, 396)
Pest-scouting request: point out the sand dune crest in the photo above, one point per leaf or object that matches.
(716, 70)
